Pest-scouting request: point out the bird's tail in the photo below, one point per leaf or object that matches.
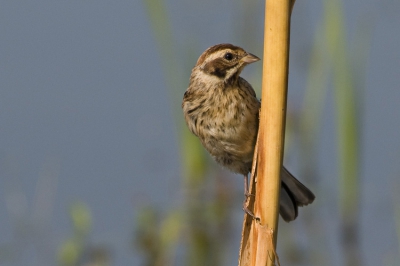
(293, 195)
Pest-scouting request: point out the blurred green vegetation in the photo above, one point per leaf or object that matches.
(348, 131)
(77, 249)
(199, 227)
(333, 64)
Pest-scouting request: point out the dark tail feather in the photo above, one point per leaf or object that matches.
(293, 194)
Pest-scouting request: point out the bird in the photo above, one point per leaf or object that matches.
(221, 108)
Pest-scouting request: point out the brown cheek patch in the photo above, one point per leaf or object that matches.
(218, 68)
(219, 72)
(215, 68)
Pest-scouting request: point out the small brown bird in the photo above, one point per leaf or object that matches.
(221, 109)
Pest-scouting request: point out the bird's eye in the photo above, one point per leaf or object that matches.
(228, 56)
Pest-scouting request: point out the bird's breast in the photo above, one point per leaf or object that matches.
(228, 124)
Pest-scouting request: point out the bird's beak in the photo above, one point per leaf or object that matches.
(249, 58)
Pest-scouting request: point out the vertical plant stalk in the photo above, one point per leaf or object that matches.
(347, 131)
(259, 235)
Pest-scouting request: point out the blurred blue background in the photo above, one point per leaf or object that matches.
(87, 114)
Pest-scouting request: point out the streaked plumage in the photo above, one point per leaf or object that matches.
(221, 109)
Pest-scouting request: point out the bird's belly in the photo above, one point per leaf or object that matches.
(232, 151)
(230, 140)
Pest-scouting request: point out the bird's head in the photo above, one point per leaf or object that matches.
(224, 61)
